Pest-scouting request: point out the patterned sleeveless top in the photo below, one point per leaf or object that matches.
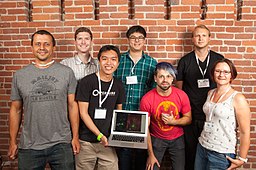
(222, 136)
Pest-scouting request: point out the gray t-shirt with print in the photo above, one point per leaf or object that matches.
(44, 93)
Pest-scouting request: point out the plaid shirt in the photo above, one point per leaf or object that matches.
(79, 68)
(144, 70)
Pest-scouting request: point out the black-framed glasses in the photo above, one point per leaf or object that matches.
(140, 38)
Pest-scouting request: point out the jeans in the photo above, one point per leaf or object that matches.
(211, 160)
(132, 159)
(176, 149)
(59, 157)
(191, 133)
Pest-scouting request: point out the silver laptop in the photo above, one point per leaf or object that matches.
(129, 129)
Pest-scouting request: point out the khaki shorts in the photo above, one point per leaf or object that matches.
(96, 155)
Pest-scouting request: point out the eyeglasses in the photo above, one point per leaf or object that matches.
(225, 72)
(140, 38)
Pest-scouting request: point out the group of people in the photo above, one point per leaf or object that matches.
(68, 107)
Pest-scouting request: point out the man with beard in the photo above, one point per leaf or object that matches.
(45, 92)
(194, 78)
(168, 109)
(82, 63)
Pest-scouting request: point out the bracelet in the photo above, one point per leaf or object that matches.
(243, 159)
(99, 136)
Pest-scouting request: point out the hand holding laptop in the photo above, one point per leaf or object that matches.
(104, 141)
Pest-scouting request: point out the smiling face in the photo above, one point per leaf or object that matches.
(201, 38)
(222, 74)
(108, 62)
(42, 48)
(83, 42)
(163, 80)
(136, 41)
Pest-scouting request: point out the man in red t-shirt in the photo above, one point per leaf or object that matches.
(169, 109)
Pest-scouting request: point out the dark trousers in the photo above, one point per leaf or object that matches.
(176, 149)
(132, 159)
(191, 133)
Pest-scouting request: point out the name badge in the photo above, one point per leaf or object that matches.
(203, 83)
(100, 114)
(208, 126)
(131, 80)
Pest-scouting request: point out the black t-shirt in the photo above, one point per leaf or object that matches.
(189, 73)
(87, 91)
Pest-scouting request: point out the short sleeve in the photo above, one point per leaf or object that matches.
(15, 95)
(145, 105)
(72, 83)
(84, 90)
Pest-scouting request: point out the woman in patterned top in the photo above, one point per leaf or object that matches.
(226, 111)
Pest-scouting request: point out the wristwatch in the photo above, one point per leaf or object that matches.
(243, 159)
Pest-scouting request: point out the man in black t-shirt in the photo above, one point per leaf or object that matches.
(98, 95)
(194, 78)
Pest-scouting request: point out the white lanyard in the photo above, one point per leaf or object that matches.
(109, 88)
(210, 116)
(207, 64)
(132, 70)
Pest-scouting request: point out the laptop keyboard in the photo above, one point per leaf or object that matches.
(128, 138)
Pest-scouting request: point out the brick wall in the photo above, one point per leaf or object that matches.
(169, 26)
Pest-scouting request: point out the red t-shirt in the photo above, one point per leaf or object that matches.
(176, 103)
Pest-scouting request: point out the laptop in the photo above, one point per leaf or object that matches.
(129, 129)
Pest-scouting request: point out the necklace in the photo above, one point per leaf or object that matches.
(43, 65)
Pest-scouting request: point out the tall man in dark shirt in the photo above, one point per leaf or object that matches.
(194, 78)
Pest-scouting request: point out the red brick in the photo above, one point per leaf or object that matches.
(117, 2)
(167, 40)
(16, 11)
(8, 4)
(41, 3)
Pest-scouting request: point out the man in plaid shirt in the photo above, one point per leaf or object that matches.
(136, 71)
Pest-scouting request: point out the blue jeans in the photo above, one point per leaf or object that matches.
(211, 160)
(191, 133)
(176, 149)
(59, 157)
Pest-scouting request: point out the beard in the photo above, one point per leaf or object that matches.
(164, 88)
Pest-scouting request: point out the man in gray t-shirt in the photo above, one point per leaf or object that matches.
(45, 92)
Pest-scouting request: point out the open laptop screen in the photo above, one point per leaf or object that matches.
(130, 122)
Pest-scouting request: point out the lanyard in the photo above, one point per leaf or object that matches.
(207, 64)
(109, 88)
(210, 116)
(132, 70)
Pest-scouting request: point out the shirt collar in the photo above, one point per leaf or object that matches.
(79, 61)
(128, 54)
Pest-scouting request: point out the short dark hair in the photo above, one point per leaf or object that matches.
(166, 66)
(43, 32)
(202, 27)
(83, 29)
(109, 48)
(136, 28)
(232, 67)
